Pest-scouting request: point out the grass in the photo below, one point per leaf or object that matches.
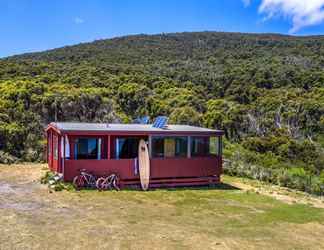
(207, 218)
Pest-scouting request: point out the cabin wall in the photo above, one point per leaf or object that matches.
(49, 149)
(53, 151)
(160, 168)
(99, 167)
(185, 167)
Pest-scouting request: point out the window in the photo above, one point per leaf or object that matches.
(127, 147)
(205, 146)
(55, 147)
(169, 146)
(49, 144)
(87, 148)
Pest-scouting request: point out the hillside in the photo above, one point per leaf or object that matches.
(266, 91)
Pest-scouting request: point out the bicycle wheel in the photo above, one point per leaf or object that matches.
(78, 182)
(100, 184)
(115, 183)
(92, 182)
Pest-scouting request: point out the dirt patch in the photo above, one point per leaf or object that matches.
(5, 188)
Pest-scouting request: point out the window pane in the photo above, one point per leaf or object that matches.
(205, 146)
(157, 147)
(169, 146)
(181, 146)
(55, 138)
(86, 148)
(213, 145)
(49, 145)
(199, 146)
(127, 147)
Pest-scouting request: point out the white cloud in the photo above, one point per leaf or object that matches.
(303, 13)
(78, 20)
(246, 2)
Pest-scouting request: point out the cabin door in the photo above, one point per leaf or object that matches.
(55, 152)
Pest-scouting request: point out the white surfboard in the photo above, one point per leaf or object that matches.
(144, 164)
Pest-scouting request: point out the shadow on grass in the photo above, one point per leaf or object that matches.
(220, 186)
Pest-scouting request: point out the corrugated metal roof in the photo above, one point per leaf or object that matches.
(78, 126)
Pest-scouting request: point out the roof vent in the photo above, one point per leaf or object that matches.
(161, 122)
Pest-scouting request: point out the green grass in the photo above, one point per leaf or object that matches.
(215, 213)
(182, 218)
(196, 207)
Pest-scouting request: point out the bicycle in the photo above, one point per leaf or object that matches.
(84, 180)
(109, 182)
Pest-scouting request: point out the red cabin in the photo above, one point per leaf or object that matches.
(180, 155)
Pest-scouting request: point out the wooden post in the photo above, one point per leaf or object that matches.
(63, 155)
(59, 154)
(117, 148)
(150, 146)
(189, 147)
(108, 148)
(99, 149)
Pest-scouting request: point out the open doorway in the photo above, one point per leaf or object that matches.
(126, 147)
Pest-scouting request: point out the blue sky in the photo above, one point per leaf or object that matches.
(35, 25)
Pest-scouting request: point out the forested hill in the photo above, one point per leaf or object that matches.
(266, 91)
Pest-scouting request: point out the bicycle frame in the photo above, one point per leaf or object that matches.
(90, 180)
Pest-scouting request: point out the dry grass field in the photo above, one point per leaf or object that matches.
(239, 214)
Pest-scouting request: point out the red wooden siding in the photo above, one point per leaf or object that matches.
(185, 167)
(99, 167)
(160, 168)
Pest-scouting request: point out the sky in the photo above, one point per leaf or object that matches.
(37, 25)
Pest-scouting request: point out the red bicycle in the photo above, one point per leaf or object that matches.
(109, 182)
(84, 180)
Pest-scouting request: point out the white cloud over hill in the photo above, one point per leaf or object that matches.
(302, 13)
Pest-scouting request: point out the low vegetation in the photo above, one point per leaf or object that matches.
(55, 182)
(265, 91)
(267, 168)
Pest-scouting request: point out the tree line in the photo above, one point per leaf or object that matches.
(265, 91)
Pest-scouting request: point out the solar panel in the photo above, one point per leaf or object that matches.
(145, 119)
(142, 120)
(160, 122)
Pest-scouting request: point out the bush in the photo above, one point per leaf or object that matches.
(242, 163)
(6, 158)
(295, 178)
(55, 182)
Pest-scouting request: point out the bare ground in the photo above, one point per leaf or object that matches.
(252, 217)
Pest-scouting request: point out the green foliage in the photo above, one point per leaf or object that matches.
(268, 167)
(185, 115)
(265, 91)
(133, 98)
(6, 158)
(55, 182)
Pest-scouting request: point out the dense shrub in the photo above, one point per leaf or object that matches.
(6, 158)
(239, 164)
(55, 182)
